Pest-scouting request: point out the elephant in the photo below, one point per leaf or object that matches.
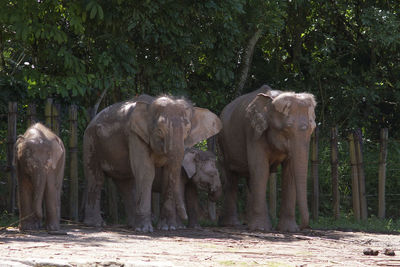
(262, 130)
(199, 172)
(127, 141)
(39, 160)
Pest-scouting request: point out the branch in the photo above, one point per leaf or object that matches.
(246, 62)
(96, 106)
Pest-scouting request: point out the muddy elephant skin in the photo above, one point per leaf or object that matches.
(199, 172)
(39, 161)
(261, 130)
(127, 141)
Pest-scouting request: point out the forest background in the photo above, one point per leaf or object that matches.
(347, 53)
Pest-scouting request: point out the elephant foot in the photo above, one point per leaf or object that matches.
(287, 226)
(53, 227)
(195, 226)
(229, 221)
(166, 225)
(94, 222)
(143, 224)
(263, 225)
(27, 226)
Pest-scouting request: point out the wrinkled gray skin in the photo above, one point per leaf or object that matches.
(199, 172)
(127, 141)
(39, 160)
(262, 130)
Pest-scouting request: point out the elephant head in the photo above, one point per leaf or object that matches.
(287, 120)
(200, 167)
(168, 126)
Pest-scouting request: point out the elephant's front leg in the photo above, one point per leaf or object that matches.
(144, 171)
(257, 212)
(192, 205)
(287, 220)
(127, 190)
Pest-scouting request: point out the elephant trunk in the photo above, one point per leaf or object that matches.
(300, 170)
(175, 154)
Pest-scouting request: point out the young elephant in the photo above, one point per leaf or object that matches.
(199, 172)
(39, 160)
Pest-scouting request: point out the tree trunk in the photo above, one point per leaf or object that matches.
(246, 62)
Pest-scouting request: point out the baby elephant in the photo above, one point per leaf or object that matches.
(199, 171)
(39, 160)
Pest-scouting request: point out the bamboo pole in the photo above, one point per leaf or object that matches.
(73, 150)
(272, 195)
(382, 172)
(354, 178)
(314, 174)
(31, 114)
(361, 174)
(11, 138)
(335, 173)
(55, 118)
(47, 113)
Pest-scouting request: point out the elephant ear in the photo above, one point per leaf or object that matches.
(204, 125)
(256, 112)
(139, 121)
(188, 163)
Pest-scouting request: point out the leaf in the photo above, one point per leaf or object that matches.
(93, 12)
(100, 12)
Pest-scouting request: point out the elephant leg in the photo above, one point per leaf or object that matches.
(287, 219)
(126, 188)
(192, 205)
(51, 198)
(27, 216)
(257, 213)
(229, 216)
(95, 180)
(144, 172)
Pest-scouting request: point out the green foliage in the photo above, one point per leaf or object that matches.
(348, 223)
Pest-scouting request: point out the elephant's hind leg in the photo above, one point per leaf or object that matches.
(27, 215)
(95, 180)
(229, 215)
(51, 197)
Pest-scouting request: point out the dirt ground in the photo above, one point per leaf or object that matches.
(118, 246)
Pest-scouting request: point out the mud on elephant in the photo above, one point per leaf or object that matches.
(199, 172)
(261, 130)
(39, 161)
(127, 141)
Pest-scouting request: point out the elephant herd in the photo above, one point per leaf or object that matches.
(145, 145)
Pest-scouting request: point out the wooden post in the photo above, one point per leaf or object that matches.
(354, 178)
(314, 174)
(112, 197)
(47, 113)
(361, 175)
(31, 114)
(335, 173)
(11, 138)
(55, 118)
(382, 173)
(73, 151)
(212, 207)
(272, 195)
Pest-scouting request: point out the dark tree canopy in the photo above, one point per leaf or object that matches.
(345, 52)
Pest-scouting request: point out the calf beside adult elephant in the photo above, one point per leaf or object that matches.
(39, 161)
(262, 130)
(199, 172)
(127, 141)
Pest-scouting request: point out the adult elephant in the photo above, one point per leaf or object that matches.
(127, 141)
(262, 130)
